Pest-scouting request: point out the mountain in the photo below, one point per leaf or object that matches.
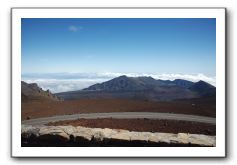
(204, 89)
(124, 83)
(34, 92)
(183, 83)
(143, 88)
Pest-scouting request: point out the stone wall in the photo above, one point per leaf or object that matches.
(70, 136)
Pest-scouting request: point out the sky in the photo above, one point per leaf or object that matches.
(116, 46)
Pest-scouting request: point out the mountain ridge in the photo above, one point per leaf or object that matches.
(144, 88)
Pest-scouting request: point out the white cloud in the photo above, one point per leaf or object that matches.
(61, 82)
(73, 28)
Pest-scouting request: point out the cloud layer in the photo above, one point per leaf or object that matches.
(61, 82)
(57, 85)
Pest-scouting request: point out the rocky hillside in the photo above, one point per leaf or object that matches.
(34, 92)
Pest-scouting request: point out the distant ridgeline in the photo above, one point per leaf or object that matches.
(143, 88)
(34, 92)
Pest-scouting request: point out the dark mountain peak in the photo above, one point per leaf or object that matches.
(203, 88)
(122, 77)
(124, 83)
(201, 82)
(203, 85)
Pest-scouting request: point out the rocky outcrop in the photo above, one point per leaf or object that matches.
(82, 136)
(32, 91)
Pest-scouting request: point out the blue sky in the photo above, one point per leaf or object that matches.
(177, 46)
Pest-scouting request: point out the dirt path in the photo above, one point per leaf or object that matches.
(123, 115)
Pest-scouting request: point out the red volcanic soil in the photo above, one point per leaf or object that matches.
(37, 109)
(144, 125)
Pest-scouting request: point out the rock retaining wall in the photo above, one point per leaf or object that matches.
(69, 136)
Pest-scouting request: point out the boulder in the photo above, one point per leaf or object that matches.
(183, 138)
(53, 134)
(68, 129)
(202, 140)
(83, 136)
